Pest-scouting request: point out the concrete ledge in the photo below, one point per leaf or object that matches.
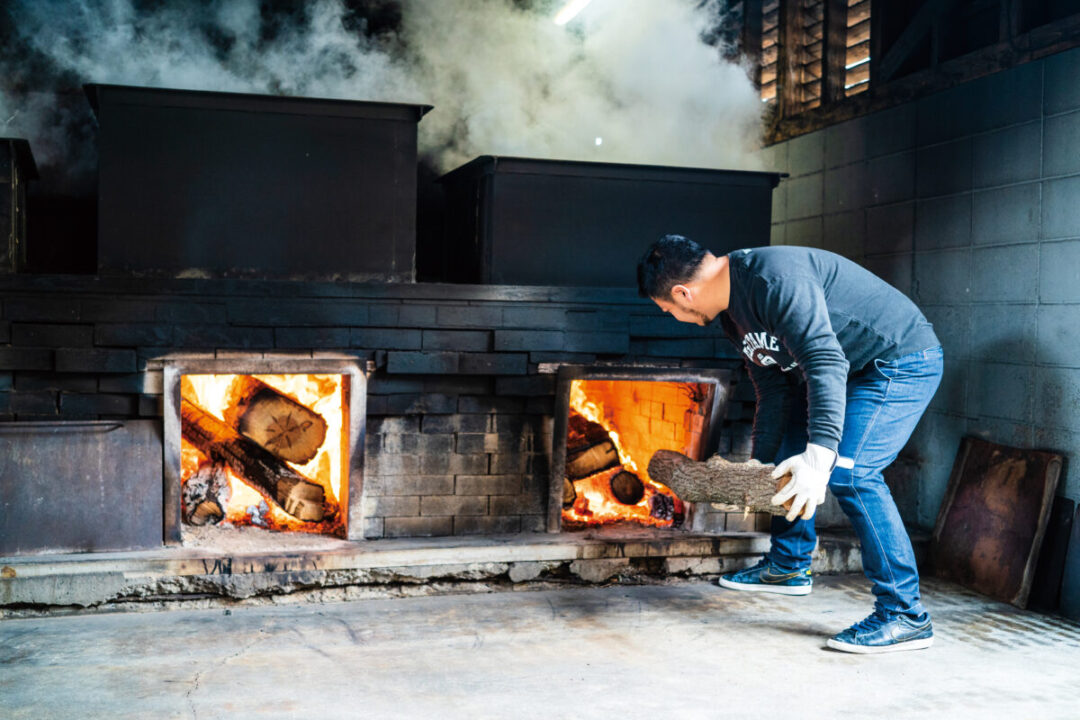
(443, 564)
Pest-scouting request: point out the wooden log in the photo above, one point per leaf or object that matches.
(569, 494)
(257, 467)
(274, 420)
(747, 485)
(627, 488)
(591, 460)
(205, 495)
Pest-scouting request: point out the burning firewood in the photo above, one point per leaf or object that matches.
(205, 495)
(627, 488)
(589, 448)
(274, 420)
(569, 493)
(257, 467)
(747, 484)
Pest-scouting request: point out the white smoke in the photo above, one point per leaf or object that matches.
(628, 81)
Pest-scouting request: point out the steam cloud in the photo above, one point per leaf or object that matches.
(504, 79)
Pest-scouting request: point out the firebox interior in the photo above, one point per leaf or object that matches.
(610, 426)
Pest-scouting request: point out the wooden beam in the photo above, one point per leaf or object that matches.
(835, 59)
(925, 21)
(787, 60)
(750, 37)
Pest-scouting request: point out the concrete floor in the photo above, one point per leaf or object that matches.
(689, 650)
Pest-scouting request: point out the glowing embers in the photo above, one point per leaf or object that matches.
(264, 450)
(613, 428)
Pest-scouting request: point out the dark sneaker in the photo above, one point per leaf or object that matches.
(763, 577)
(883, 632)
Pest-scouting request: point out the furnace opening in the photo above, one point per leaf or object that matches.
(265, 450)
(613, 428)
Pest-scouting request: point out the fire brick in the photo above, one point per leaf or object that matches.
(517, 504)
(489, 404)
(460, 340)
(41, 402)
(487, 485)
(530, 386)
(491, 443)
(385, 338)
(386, 464)
(455, 464)
(494, 364)
(484, 525)
(514, 462)
(95, 360)
(146, 383)
(392, 506)
(418, 443)
(530, 340)
(417, 526)
(43, 335)
(392, 425)
(41, 309)
(533, 317)
(97, 404)
(25, 358)
(533, 523)
(455, 423)
(190, 312)
(381, 485)
(127, 334)
(224, 336)
(309, 337)
(476, 316)
(454, 505)
(424, 363)
(383, 385)
(273, 313)
(420, 403)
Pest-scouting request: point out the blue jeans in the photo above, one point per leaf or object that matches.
(884, 403)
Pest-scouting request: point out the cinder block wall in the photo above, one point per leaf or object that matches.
(968, 201)
(459, 414)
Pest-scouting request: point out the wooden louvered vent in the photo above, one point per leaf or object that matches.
(857, 66)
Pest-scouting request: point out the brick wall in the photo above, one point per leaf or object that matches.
(459, 412)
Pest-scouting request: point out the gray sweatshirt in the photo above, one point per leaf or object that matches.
(797, 308)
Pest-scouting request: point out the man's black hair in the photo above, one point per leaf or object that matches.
(672, 260)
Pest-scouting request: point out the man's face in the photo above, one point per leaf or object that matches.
(682, 311)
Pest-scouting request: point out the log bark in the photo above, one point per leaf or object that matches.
(264, 472)
(746, 485)
(277, 422)
(205, 495)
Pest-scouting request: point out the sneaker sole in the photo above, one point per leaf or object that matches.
(921, 644)
(762, 587)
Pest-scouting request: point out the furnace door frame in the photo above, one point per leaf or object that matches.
(721, 378)
(357, 403)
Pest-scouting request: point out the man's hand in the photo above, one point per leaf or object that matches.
(810, 472)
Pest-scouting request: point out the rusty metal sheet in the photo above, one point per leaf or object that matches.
(993, 518)
(80, 486)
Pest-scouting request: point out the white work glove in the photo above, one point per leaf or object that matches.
(810, 471)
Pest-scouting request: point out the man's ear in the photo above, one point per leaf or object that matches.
(683, 294)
